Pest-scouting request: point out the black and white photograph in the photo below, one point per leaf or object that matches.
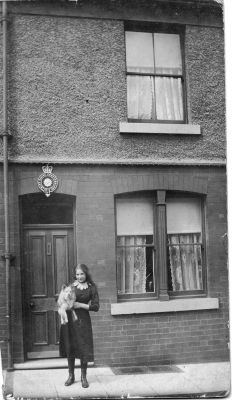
(114, 197)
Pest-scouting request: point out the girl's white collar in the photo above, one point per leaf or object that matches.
(80, 285)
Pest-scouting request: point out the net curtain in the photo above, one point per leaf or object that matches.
(154, 98)
(184, 243)
(134, 223)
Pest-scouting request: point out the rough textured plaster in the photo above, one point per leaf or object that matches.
(68, 92)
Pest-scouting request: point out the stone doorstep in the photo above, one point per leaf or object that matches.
(47, 364)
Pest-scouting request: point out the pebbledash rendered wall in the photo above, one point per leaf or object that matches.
(67, 96)
(189, 336)
(67, 91)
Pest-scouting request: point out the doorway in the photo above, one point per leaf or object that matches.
(47, 263)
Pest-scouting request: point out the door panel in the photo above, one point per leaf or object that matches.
(48, 262)
(40, 327)
(37, 263)
(60, 260)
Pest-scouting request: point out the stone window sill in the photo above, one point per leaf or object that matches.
(155, 306)
(166, 129)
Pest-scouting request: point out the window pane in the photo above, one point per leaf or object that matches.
(169, 98)
(135, 259)
(39, 209)
(167, 54)
(184, 215)
(184, 229)
(135, 264)
(185, 262)
(134, 217)
(139, 52)
(140, 97)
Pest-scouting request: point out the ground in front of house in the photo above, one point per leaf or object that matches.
(212, 379)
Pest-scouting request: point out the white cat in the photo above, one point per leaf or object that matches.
(66, 300)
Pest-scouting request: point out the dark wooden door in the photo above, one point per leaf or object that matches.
(48, 263)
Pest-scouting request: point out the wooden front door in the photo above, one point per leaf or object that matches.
(48, 263)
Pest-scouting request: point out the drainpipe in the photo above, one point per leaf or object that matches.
(7, 255)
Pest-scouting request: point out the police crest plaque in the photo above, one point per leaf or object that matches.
(47, 182)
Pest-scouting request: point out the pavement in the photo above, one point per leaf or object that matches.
(208, 380)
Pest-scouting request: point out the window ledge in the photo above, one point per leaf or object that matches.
(156, 128)
(155, 306)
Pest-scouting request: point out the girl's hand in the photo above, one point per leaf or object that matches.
(77, 305)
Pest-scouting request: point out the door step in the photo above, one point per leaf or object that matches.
(53, 363)
(42, 354)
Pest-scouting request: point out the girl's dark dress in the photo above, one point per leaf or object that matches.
(76, 337)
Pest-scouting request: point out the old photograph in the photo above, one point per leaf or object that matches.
(113, 200)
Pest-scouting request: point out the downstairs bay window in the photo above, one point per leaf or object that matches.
(159, 246)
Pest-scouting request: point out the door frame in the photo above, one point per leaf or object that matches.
(22, 271)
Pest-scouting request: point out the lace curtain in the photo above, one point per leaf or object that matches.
(185, 261)
(131, 264)
(154, 98)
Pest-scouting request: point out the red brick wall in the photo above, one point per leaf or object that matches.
(168, 337)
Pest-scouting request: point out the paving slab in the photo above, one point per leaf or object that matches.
(95, 389)
(126, 386)
(210, 377)
(170, 384)
(33, 383)
(185, 379)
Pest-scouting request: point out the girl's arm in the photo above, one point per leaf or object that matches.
(81, 305)
(93, 304)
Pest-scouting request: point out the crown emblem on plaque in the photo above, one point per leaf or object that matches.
(47, 182)
(47, 169)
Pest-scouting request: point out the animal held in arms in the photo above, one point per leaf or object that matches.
(66, 300)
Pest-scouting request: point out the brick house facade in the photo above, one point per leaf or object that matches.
(68, 106)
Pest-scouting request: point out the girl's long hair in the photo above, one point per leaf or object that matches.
(85, 269)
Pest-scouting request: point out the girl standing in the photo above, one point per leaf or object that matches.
(76, 338)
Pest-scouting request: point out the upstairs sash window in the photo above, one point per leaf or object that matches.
(154, 76)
